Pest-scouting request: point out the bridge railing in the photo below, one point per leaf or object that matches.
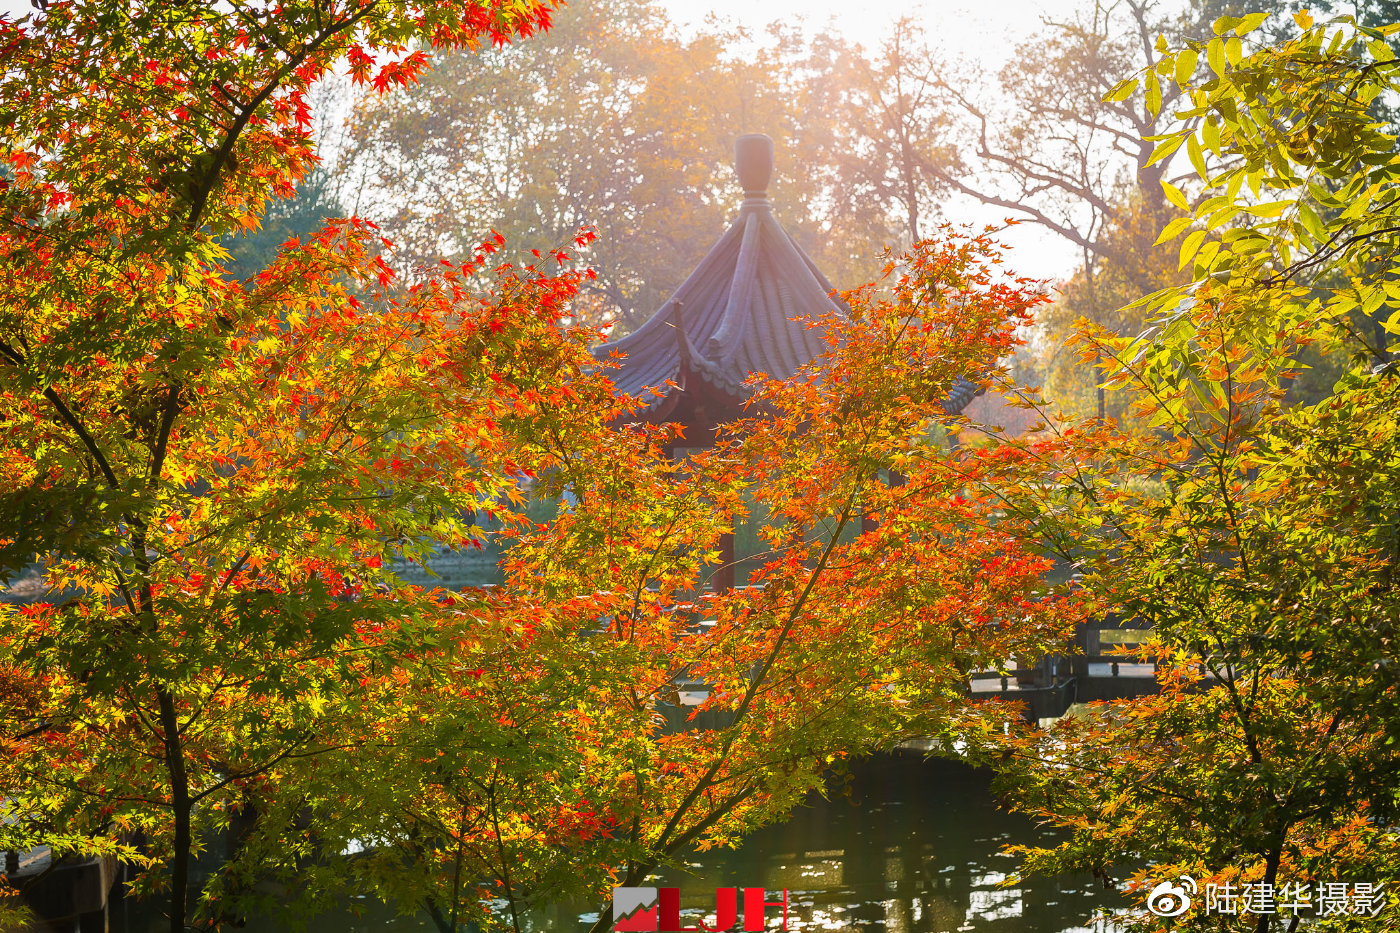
(1100, 667)
(1108, 646)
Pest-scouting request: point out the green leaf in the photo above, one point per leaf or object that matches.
(1372, 297)
(1269, 209)
(1223, 216)
(1173, 229)
(1249, 22)
(1166, 147)
(1234, 51)
(1224, 24)
(1311, 222)
(1215, 56)
(1210, 134)
(1205, 394)
(1341, 302)
(1203, 262)
(1236, 181)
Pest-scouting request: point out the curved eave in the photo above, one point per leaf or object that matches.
(745, 309)
(748, 308)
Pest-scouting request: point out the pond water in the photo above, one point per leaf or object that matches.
(914, 848)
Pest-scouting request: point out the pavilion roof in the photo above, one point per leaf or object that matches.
(746, 308)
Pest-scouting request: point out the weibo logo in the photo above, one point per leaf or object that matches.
(658, 910)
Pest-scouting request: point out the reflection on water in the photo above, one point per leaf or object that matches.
(915, 849)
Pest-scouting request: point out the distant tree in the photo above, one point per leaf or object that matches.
(873, 129)
(1052, 146)
(303, 214)
(611, 121)
(1101, 294)
(1051, 149)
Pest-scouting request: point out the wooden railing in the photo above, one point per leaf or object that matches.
(1100, 668)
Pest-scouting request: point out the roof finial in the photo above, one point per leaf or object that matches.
(753, 161)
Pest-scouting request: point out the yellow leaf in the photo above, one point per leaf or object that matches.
(1185, 66)
(1189, 246)
(1175, 195)
(1121, 91)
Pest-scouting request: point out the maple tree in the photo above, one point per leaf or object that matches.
(216, 475)
(1255, 536)
(841, 643)
(556, 758)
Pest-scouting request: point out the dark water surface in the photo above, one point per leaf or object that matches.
(915, 849)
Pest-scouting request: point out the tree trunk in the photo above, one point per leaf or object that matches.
(443, 924)
(180, 807)
(1270, 876)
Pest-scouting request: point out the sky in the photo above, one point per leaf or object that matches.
(984, 28)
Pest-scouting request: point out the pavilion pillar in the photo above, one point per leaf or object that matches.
(722, 580)
(868, 522)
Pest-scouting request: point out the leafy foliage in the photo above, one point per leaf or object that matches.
(213, 473)
(1256, 537)
(563, 760)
